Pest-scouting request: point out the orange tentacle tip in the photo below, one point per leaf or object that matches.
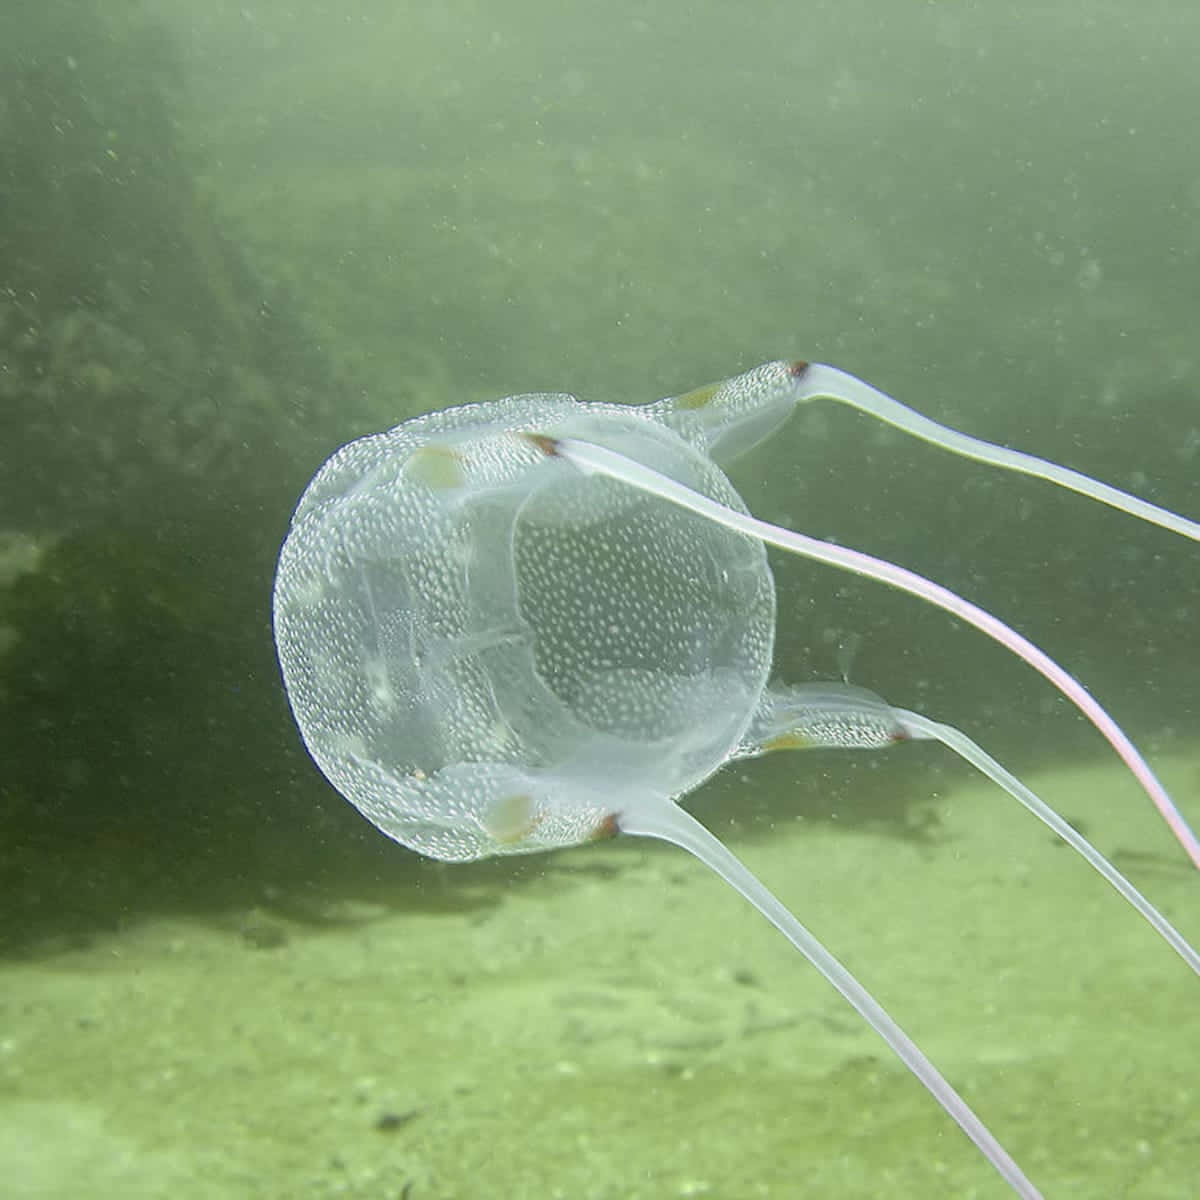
(609, 827)
(546, 444)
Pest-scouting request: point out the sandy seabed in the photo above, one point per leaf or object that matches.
(613, 1022)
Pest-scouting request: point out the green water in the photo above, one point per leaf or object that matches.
(236, 236)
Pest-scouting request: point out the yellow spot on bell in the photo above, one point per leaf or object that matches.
(788, 741)
(511, 819)
(437, 467)
(701, 397)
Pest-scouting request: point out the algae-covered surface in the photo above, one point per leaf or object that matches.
(613, 1022)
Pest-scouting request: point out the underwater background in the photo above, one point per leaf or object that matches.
(234, 236)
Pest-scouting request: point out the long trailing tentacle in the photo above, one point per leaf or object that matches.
(665, 820)
(918, 726)
(819, 381)
(842, 716)
(595, 459)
